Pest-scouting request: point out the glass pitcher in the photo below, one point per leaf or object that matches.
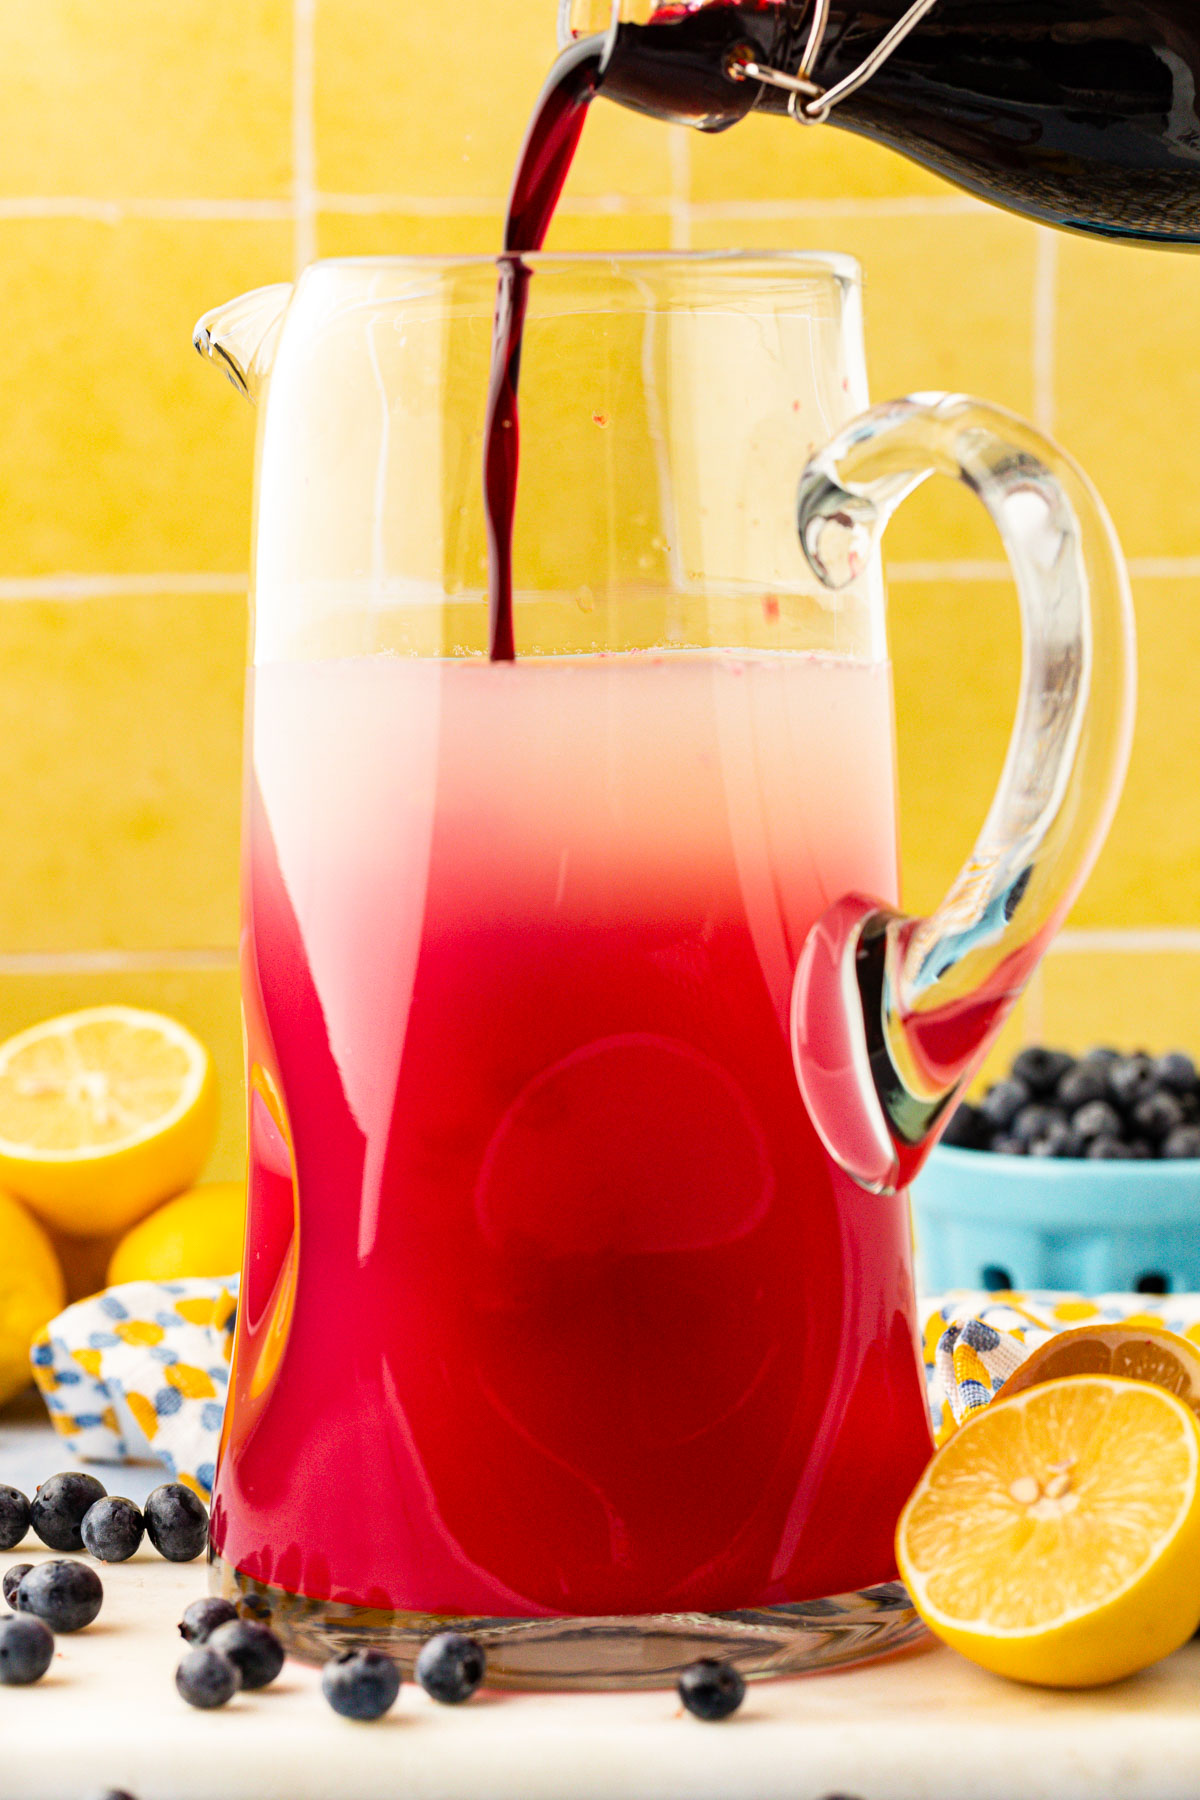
(588, 1054)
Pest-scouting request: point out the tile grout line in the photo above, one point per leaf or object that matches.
(1045, 311)
(108, 962)
(71, 585)
(119, 587)
(304, 132)
(114, 212)
(679, 153)
(307, 200)
(1119, 941)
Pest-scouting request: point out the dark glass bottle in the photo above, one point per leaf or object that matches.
(1082, 113)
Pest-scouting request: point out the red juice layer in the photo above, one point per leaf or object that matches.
(570, 1313)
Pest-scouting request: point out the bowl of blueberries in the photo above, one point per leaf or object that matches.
(1072, 1172)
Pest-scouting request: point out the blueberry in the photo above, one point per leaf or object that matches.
(361, 1684)
(1102, 1054)
(711, 1690)
(176, 1522)
(1001, 1104)
(1036, 1121)
(1081, 1085)
(1097, 1119)
(113, 1529)
(1139, 1149)
(256, 1607)
(1009, 1146)
(968, 1128)
(1157, 1116)
(57, 1509)
(66, 1595)
(26, 1651)
(254, 1650)
(14, 1517)
(1176, 1072)
(450, 1667)
(1058, 1139)
(1130, 1079)
(12, 1581)
(1108, 1149)
(1182, 1142)
(206, 1679)
(202, 1617)
(1041, 1070)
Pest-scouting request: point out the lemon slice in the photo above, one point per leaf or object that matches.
(1138, 1352)
(103, 1114)
(1055, 1537)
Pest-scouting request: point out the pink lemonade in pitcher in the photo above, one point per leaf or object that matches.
(575, 1313)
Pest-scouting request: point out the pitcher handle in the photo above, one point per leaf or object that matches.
(891, 1015)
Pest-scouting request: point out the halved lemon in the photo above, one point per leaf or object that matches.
(1137, 1352)
(103, 1114)
(1055, 1538)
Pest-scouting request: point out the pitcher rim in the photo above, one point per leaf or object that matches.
(837, 264)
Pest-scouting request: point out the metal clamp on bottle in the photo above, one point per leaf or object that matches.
(808, 102)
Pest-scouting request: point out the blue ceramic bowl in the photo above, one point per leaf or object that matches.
(990, 1221)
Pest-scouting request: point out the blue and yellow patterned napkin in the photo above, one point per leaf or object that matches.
(142, 1371)
(973, 1342)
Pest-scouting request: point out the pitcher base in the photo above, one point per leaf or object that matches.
(643, 1651)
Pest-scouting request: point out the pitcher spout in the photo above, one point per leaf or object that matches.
(241, 335)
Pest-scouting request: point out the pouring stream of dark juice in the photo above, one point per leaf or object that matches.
(542, 168)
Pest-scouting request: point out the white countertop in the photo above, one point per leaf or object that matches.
(923, 1726)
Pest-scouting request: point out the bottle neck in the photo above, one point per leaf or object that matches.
(677, 67)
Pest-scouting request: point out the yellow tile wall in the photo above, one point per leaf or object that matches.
(158, 159)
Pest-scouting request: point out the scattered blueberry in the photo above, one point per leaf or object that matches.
(1001, 1104)
(113, 1529)
(205, 1678)
(65, 1595)
(57, 1510)
(1183, 1142)
(1009, 1146)
(711, 1690)
(361, 1684)
(255, 1606)
(176, 1522)
(26, 1650)
(202, 1617)
(14, 1517)
(1103, 1054)
(12, 1581)
(254, 1650)
(450, 1667)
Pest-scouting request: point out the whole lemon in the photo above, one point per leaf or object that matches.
(31, 1291)
(198, 1233)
